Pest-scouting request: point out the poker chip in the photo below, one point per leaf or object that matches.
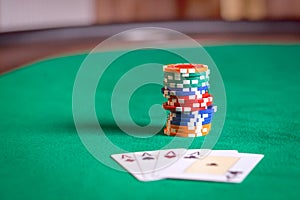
(194, 118)
(174, 78)
(191, 122)
(167, 92)
(186, 81)
(186, 86)
(184, 134)
(192, 102)
(188, 97)
(185, 89)
(188, 128)
(190, 119)
(191, 89)
(178, 76)
(180, 94)
(185, 68)
(209, 110)
(171, 131)
(181, 132)
(192, 105)
(186, 120)
(185, 108)
(182, 85)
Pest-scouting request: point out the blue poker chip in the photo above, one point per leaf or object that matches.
(209, 110)
(180, 123)
(178, 93)
(181, 93)
(187, 115)
(185, 89)
(182, 118)
(189, 119)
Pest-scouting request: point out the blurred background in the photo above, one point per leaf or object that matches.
(17, 15)
(68, 26)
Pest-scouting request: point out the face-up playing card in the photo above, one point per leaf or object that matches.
(140, 164)
(194, 164)
(130, 163)
(143, 165)
(217, 166)
(165, 159)
(147, 161)
(189, 157)
(214, 165)
(241, 169)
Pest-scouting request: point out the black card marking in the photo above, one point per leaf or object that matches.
(212, 164)
(147, 156)
(232, 174)
(194, 155)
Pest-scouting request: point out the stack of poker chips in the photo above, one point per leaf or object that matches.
(189, 102)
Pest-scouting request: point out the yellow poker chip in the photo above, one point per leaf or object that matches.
(185, 68)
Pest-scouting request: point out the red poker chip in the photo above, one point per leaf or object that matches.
(182, 101)
(190, 97)
(193, 105)
(183, 109)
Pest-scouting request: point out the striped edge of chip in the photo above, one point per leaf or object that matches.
(186, 67)
(188, 128)
(182, 134)
(191, 105)
(204, 115)
(185, 109)
(184, 101)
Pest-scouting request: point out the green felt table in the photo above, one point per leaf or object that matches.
(42, 156)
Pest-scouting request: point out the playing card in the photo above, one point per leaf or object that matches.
(243, 167)
(129, 162)
(165, 159)
(189, 158)
(147, 161)
(217, 166)
(142, 164)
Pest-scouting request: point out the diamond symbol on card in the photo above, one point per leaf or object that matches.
(170, 154)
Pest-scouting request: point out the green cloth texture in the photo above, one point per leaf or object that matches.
(42, 156)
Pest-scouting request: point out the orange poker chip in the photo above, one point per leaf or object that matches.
(202, 132)
(182, 134)
(185, 68)
(184, 131)
(186, 135)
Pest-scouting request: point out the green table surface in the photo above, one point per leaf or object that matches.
(42, 157)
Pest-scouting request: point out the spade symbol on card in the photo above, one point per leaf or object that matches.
(194, 155)
(127, 158)
(212, 164)
(232, 174)
(170, 154)
(147, 156)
